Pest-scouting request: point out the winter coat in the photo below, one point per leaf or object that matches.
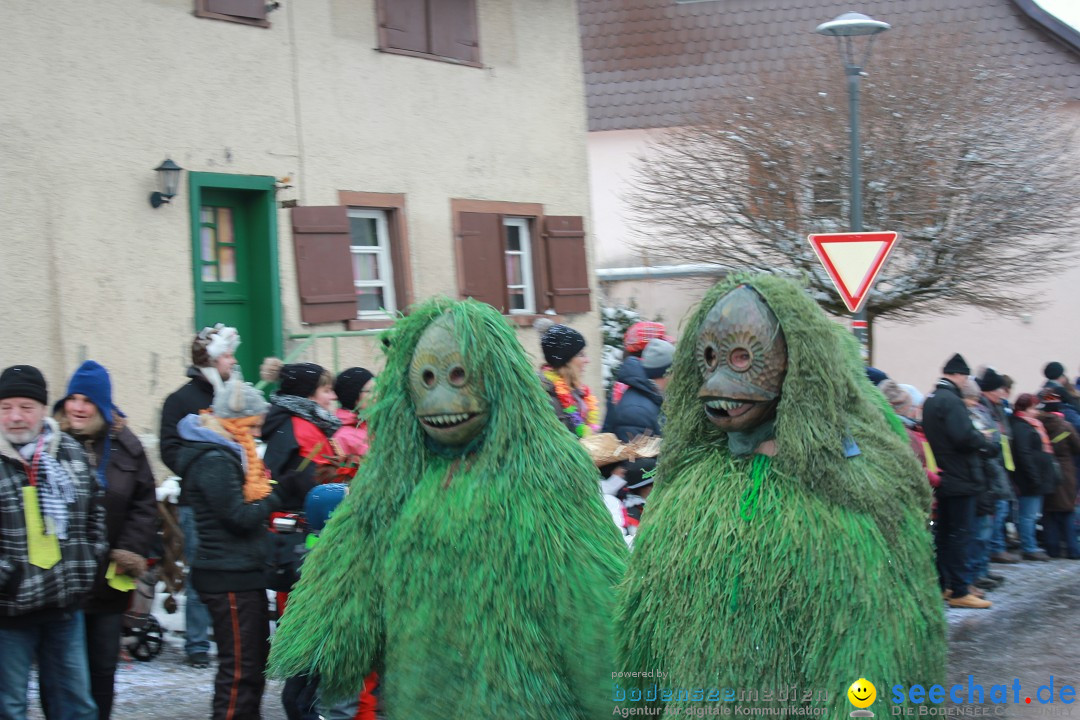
(638, 410)
(955, 442)
(1066, 443)
(1036, 470)
(556, 405)
(352, 436)
(130, 502)
(26, 588)
(232, 533)
(290, 440)
(196, 395)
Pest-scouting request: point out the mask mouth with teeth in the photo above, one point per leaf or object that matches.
(447, 393)
(742, 356)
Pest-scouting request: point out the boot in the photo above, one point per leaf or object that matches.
(1004, 557)
(1039, 556)
(987, 583)
(999, 579)
(969, 601)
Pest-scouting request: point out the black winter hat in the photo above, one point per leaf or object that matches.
(956, 366)
(640, 472)
(24, 381)
(875, 376)
(1053, 370)
(990, 381)
(560, 344)
(348, 385)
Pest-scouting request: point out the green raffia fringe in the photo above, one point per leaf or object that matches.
(479, 587)
(807, 569)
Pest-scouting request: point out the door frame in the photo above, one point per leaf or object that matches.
(266, 210)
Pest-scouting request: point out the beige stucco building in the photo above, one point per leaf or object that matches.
(447, 155)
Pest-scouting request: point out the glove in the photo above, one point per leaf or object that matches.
(128, 563)
(291, 489)
(9, 585)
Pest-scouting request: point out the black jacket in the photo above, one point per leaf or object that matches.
(955, 441)
(283, 452)
(130, 510)
(1036, 470)
(638, 409)
(196, 395)
(232, 533)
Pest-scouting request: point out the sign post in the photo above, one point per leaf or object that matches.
(853, 261)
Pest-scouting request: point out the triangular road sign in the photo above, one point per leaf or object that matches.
(853, 261)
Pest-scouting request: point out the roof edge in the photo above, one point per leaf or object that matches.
(1064, 32)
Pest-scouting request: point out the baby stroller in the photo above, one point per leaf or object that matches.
(143, 635)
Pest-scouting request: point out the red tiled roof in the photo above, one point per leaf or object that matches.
(648, 63)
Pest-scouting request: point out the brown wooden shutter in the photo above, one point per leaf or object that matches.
(568, 267)
(481, 258)
(404, 24)
(324, 271)
(253, 9)
(453, 30)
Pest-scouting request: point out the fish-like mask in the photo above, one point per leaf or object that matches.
(447, 393)
(742, 355)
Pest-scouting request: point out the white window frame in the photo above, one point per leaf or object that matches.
(383, 261)
(529, 283)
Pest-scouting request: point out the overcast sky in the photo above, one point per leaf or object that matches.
(1067, 11)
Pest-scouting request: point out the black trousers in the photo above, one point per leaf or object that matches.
(952, 536)
(242, 632)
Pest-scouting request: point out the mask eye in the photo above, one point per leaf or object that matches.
(428, 378)
(711, 358)
(457, 376)
(739, 359)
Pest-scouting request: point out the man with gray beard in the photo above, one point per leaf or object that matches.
(52, 536)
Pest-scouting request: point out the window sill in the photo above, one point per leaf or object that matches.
(429, 56)
(232, 18)
(373, 324)
(526, 320)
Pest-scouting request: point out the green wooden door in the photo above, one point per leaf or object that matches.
(235, 264)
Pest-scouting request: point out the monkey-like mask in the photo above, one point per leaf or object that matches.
(446, 391)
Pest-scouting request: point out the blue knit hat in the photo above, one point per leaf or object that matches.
(92, 380)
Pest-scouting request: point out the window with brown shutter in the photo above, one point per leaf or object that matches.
(248, 12)
(435, 29)
(382, 276)
(324, 275)
(513, 257)
(564, 240)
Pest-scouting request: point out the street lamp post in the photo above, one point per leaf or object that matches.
(845, 29)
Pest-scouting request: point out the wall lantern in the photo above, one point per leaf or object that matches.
(168, 180)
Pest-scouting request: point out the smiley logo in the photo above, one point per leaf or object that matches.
(862, 693)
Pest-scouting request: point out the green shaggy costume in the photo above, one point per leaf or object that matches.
(811, 568)
(477, 578)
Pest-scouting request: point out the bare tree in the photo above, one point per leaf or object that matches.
(976, 168)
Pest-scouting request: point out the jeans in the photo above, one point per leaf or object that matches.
(196, 616)
(1058, 527)
(60, 648)
(1030, 506)
(997, 535)
(952, 536)
(979, 547)
(103, 632)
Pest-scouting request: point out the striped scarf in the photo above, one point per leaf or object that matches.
(56, 490)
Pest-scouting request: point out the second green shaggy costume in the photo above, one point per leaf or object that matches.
(786, 543)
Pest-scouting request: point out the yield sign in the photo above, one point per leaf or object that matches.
(853, 261)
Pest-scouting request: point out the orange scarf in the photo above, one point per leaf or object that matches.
(256, 483)
(1039, 428)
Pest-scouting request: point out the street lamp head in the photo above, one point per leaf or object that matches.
(852, 24)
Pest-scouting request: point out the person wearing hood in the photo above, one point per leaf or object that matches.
(116, 456)
(353, 389)
(638, 410)
(231, 495)
(301, 424)
(212, 360)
